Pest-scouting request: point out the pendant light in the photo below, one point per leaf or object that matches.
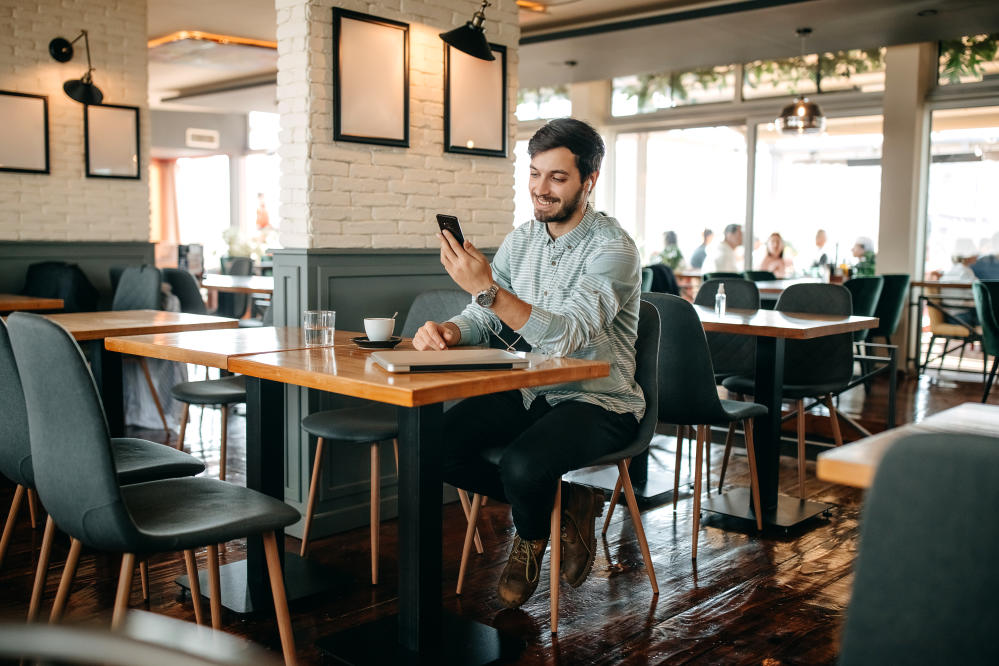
(82, 89)
(471, 37)
(802, 116)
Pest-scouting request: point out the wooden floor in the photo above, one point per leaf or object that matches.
(774, 598)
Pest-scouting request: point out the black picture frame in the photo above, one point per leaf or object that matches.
(111, 146)
(475, 103)
(24, 132)
(370, 79)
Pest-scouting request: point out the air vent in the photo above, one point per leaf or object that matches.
(201, 138)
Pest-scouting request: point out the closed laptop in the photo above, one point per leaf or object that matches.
(449, 360)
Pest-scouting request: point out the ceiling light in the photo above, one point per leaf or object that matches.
(83, 89)
(802, 116)
(471, 37)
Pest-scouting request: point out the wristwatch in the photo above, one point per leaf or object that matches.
(487, 297)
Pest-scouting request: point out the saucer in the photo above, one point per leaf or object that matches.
(364, 343)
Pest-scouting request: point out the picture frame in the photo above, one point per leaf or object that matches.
(475, 103)
(24, 132)
(370, 79)
(111, 141)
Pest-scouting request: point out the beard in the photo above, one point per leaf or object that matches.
(567, 209)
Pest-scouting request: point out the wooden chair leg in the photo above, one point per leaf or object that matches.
(707, 460)
(636, 519)
(33, 508)
(800, 404)
(310, 507)
(183, 425)
(280, 600)
(834, 421)
(680, 430)
(555, 558)
(754, 480)
(472, 521)
(42, 570)
(156, 398)
(376, 511)
(66, 582)
(214, 586)
(8, 528)
(466, 507)
(225, 438)
(395, 450)
(613, 501)
(192, 577)
(144, 579)
(124, 587)
(728, 452)
(697, 489)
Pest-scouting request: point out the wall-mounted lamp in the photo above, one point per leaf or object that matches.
(82, 89)
(471, 37)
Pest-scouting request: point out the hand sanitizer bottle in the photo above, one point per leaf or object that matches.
(720, 301)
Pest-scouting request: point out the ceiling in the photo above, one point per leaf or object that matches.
(572, 41)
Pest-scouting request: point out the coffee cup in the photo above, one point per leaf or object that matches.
(379, 329)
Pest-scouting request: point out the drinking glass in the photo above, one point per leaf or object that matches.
(319, 326)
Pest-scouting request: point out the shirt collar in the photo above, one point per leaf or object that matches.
(575, 236)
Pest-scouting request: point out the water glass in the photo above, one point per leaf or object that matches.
(319, 326)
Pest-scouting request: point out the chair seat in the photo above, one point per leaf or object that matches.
(743, 384)
(370, 423)
(179, 514)
(950, 330)
(738, 410)
(139, 460)
(212, 391)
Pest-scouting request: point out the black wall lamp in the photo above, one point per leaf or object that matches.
(471, 37)
(82, 89)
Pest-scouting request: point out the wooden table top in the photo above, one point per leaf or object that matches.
(773, 324)
(98, 325)
(215, 348)
(939, 283)
(244, 284)
(16, 302)
(854, 464)
(347, 370)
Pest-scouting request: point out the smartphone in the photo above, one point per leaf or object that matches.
(450, 222)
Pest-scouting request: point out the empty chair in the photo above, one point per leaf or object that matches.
(720, 274)
(891, 303)
(57, 279)
(946, 328)
(987, 306)
(759, 276)
(925, 576)
(232, 304)
(865, 293)
(663, 280)
(185, 288)
(74, 470)
(210, 392)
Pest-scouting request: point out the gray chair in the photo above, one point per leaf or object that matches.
(688, 396)
(759, 276)
(646, 358)
(210, 393)
(925, 577)
(986, 293)
(232, 304)
(185, 288)
(818, 368)
(74, 469)
(731, 354)
(375, 422)
(720, 274)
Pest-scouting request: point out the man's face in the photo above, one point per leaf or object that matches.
(820, 239)
(556, 189)
(735, 238)
(858, 250)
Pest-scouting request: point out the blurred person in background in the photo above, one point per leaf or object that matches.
(723, 256)
(698, 255)
(820, 256)
(987, 266)
(956, 304)
(774, 259)
(863, 250)
(671, 255)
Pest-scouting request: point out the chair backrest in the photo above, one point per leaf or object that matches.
(824, 360)
(925, 576)
(894, 293)
(646, 279)
(232, 304)
(687, 391)
(15, 447)
(185, 287)
(759, 276)
(986, 294)
(57, 279)
(138, 289)
(663, 280)
(731, 354)
(70, 446)
(434, 305)
(719, 274)
(865, 292)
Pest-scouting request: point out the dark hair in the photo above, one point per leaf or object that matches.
(707, 233)
(580, 138)
(670, 237)
(732, 228)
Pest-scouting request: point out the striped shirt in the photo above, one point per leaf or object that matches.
(584, 288)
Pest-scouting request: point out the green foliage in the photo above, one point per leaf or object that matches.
(543, 95)
(675, 85)
(671, 256)
(792, 71)
(965, 56)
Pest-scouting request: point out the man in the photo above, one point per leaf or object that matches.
(821, 256)
(700, 252)
(863, 250)
(723, 257)
(568, 282)
(987, 266)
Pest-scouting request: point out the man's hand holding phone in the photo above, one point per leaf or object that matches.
(468, 267)
(435, 336)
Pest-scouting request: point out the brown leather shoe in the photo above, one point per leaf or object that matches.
(580, 508)
(522, 573)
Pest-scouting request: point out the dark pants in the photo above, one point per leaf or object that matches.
(538, 445)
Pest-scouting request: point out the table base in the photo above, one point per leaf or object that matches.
(790, 511)
(464, 641)
(302, 578)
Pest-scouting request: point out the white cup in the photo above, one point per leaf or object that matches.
(379, 329)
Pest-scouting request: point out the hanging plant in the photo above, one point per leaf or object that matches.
(965, 57)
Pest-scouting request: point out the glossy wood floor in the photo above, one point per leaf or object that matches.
(773, 599)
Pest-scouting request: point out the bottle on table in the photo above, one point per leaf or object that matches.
(720, 301)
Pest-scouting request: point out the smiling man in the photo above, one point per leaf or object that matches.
(569, 283)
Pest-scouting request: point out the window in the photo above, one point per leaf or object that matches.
(263, 130)
(261, 194)
(861, 70)
(645, 93)
(547, 102)
(831, 181)
(203, 204)
(969, 59)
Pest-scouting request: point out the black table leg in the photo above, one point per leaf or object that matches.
(108, 376)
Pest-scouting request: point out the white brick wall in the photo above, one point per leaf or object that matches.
(357, 195)
(65, 204)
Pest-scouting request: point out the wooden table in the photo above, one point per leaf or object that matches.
(240, 284)
(775, 288)
(19, 302)
(855, 464)
(771, 329)
(106, 365)
(420, 625)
